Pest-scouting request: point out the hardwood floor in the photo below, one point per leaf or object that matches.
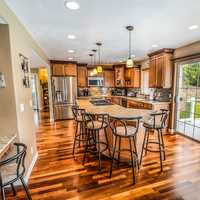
(57, 176)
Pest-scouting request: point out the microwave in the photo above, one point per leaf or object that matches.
(95, 81)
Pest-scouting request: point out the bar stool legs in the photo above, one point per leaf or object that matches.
(133, 153)
(160, 144)
(79, 135)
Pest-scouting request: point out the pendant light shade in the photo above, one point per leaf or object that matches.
(129, 62)
(99, 67)
(94, 72)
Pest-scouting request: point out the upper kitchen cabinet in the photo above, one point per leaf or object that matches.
(119, 75)
(109, 78)
(63, 68)
(161, 69)
(132, 77)
(82, 76)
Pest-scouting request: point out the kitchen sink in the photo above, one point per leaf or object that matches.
(101, 102)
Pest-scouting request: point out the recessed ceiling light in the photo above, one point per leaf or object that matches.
(70, 58)
(71, 51)
(71, 37)
(193, 27)
(154, 45)
(72, 5)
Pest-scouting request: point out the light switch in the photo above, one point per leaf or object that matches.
(2, 80)
(21, 107)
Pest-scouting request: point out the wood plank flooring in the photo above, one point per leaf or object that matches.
(57, 176)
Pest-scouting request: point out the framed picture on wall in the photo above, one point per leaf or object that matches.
(24, 64)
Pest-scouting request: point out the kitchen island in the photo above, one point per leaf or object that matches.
(117, 111)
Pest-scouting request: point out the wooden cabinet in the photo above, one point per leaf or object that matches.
(57, 70)
(82, 76)
(161, 69)
(109, 78)
(119, 76)
(70, 69)
(63, 68)
(139, 105)
(116, 100)
(132, 77)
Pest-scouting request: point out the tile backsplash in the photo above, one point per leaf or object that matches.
(151, 93)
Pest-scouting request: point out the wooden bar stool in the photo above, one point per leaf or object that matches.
(80, 136)
(125, 129)
(94, 127)
(155, 124)
(13, 169)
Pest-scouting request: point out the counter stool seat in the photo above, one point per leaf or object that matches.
(155, 124)
(94, 128)
(121, 129)
(129, 131)
(96, 125)
(13, 169)
(80, 134)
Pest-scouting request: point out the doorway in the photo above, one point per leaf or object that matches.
(188, 100)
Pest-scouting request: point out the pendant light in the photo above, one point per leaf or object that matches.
(129, 62)
(99, 67)
(92, 73)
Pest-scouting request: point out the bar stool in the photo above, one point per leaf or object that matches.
(80, 130)
(126, 129)
(155, 123)
(13, 169)
(94, 127)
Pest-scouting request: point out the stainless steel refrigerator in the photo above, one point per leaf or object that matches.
(64, 91)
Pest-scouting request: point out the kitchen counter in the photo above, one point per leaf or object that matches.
(5, 142)
(115, 111)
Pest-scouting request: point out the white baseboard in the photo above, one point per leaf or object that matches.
(30, 169)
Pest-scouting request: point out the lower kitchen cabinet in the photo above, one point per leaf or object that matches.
(139, 105)
(116, 100)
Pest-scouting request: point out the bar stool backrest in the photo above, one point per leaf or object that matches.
(19, 159)
(93, 118)
(159, 118)
(126, 125)
(78, 113)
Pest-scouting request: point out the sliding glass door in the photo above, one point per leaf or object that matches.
(188, 100)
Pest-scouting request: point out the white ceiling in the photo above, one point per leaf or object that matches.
(162, 22)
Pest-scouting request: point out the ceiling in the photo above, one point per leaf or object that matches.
(161, 22)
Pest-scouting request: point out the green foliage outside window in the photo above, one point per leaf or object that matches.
(191, 74)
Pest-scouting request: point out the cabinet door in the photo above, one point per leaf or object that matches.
(135, 77)
(70, 69)
(119, 76)
(159, 71)
(116, 100)
(58, 70)
(109, 78)
(82, 76)
(152, 73)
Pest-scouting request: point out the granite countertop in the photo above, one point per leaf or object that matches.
(131, 98)
(143, 100)
(5, 142)
(115, 111)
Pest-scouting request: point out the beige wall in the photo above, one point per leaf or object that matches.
(8, 117)
(22, 42)
(187, 50)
